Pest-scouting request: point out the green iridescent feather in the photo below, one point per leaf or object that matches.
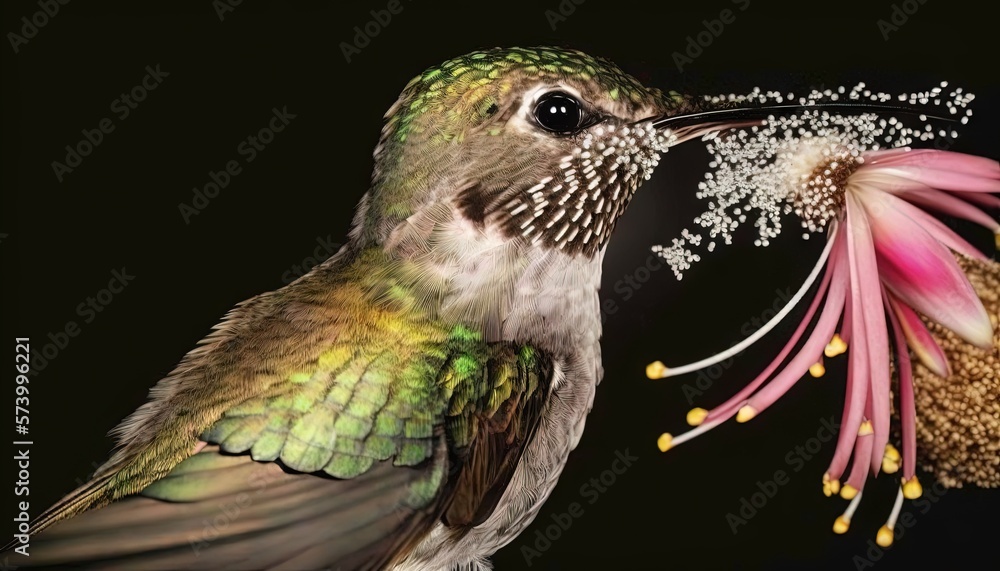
(374, 399)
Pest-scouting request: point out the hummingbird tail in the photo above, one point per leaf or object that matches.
(92, 494)
(228, 511)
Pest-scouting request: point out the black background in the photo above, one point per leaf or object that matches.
(120, 209)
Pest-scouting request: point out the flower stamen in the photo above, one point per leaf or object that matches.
(817, 369)
(831, 486)
(836, 346)
(668, 441)
(746, 413)
(891, 282)
(665, 442)
(912, 488)
(885, 534)
(891, 459)
(866, 428)
(843, 523)
(696, 416)
(859, 469)
(657, 370)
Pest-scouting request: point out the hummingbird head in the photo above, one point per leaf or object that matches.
(541, 146)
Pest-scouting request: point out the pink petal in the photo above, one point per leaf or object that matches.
(919, 339)
(889, 156)
(951, 205)
(943, 179)
(921, 272)
(863, 447)
(907, 413)
(846, 439)
(882, 179)
(858, 369)
(812, 349)
(981, 198)
(939, 160)
(868, 293)
(845, 325)
(935, 228)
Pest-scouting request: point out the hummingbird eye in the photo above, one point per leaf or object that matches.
(559, 113)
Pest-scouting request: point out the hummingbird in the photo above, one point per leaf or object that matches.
(409, 403)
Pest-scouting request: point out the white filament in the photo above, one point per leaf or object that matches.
(891, 524)
(739, 347)
(849, 512)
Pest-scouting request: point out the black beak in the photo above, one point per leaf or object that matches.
(688, 125)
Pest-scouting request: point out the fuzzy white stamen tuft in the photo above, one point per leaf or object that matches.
(796, 164)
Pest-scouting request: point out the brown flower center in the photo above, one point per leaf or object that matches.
(820, 195)
(958, 418)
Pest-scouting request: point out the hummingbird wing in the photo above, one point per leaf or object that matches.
(388, 425)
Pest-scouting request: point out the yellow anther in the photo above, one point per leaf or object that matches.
(996, 238)
(665, 441)
(884, 536)
(848, 492)
(696, 416)
(912, 488)
(841, 525)
(817, 370)
(890, 460)
(656, 370)
(866, 428)
(835, 347)
(746, 413)
(891, 452)
(830, 487)
(889, 466)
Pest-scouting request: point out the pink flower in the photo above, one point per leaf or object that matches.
(886, 262)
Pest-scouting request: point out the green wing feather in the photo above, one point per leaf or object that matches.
(383, 423)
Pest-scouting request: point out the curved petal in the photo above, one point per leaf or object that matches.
(890, 156)
(868, 295)
(863, 447)
(951, 205)
(907, 412)
(834, 260)
(845, 325)
(943, 179)
(811, 351)
(981, 198)
(845, 440)
(938, 230)
(919, 339)
(858, 360)
(921, 272)
(882, 179)
(939, 160)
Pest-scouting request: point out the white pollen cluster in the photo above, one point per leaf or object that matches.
(799, 163)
